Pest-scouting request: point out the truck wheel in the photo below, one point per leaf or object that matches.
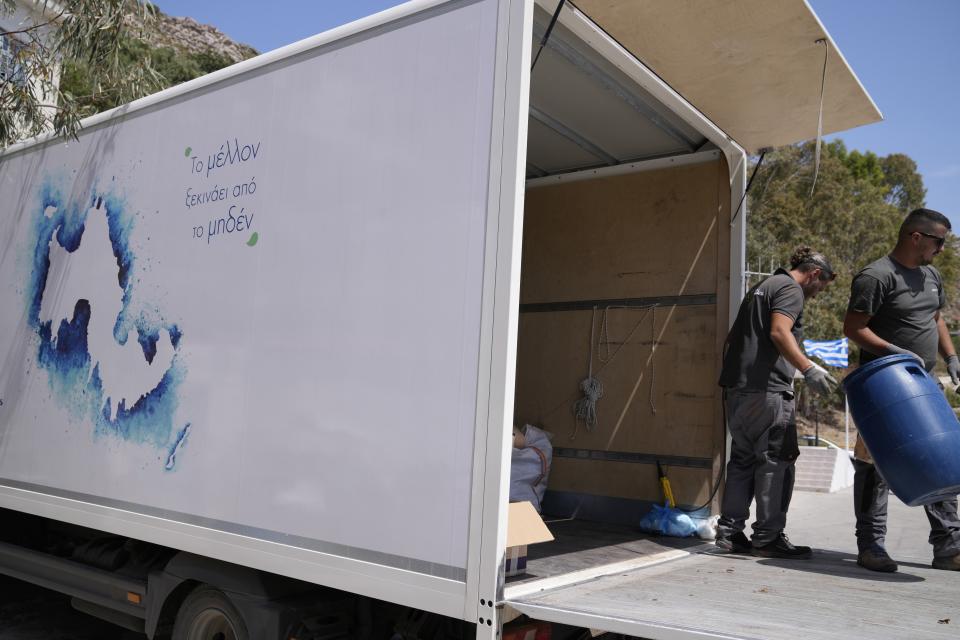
(207, 614)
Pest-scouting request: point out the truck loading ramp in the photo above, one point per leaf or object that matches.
(703, 595)
(671, 589)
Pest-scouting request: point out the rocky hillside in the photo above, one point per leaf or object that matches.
(174, 49)
(187, 36)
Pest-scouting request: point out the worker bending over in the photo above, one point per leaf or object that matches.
(761, 355)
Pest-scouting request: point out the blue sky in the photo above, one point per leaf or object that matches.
(907, 54)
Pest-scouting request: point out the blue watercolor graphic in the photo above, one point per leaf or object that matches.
(179, 443)
(75, 375)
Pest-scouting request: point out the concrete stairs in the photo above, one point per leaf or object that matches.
(823, 469)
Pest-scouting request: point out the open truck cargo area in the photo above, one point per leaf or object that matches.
(280, 321)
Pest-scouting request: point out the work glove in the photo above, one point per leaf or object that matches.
(953, 368)
(818, 380)
(894, 350)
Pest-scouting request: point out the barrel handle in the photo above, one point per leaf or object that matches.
(915, 370)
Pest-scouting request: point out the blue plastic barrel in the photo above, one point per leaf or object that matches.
(908, 426)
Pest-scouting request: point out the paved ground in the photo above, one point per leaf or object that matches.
(825, 521)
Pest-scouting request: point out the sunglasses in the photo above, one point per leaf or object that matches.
(940, 239)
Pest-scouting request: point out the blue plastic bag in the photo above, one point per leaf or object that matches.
(668, 522)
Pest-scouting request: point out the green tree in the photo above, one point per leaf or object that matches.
(852, 217)
(906, 186)
(170, 66)
(91, 33)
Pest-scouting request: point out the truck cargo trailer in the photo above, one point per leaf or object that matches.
(270, 330)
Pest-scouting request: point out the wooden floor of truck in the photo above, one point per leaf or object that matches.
(584, 548)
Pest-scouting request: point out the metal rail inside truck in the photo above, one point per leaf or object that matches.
(265, 334)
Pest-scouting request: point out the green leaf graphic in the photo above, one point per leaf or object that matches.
(186, 152)
(253, 239)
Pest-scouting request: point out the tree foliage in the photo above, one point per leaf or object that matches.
(82, 57)
(852, 217)
(906, 186)
(171, 66)
(87, 32)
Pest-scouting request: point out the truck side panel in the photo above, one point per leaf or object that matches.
(247, 317)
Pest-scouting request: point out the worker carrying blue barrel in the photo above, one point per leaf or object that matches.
(894, 308)
(761, 355)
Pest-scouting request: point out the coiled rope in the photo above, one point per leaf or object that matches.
(585, 408)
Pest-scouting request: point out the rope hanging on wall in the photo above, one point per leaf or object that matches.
(653, 361)
(585, 408)
(605, 340)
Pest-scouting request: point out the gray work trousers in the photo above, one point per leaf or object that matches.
(762, 458)
(870, 494)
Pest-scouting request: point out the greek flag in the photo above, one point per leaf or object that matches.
(833, 352)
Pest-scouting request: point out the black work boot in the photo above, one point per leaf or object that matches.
(876, 558)
(737, 543)
(948, 563)
(782, 548)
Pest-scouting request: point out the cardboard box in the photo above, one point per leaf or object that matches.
(524, 527)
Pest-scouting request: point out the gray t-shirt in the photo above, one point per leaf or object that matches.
(751, 361)
(903, 305)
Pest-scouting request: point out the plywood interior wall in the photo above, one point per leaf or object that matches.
(649, 234)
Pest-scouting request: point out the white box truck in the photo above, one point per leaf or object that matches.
(268, 331)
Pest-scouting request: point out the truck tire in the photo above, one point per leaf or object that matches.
(207, 614)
